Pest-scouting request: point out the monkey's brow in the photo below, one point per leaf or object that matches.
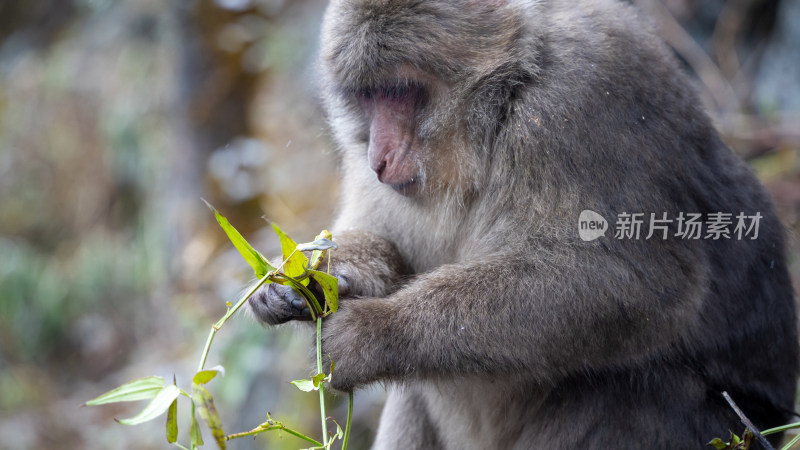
(390, 85)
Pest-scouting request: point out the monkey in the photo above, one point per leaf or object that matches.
(471, 135)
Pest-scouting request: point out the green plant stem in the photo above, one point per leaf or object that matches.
(780, 428)
(321, 386)
(791, 443)
(231, 311)
(349, 420)
(271, 427)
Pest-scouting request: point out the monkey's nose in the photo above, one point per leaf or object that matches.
(379, 169)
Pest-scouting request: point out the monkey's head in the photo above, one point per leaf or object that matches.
(408, 84)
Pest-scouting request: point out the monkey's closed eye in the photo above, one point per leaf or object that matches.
(404, 94)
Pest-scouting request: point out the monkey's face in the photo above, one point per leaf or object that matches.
(402, 103)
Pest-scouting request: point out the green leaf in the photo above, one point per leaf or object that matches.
(310, 385)
(172, 422)
(306, 385)
(204, 376)
(140, 389)
(255, 259)
(156, 407)
(296, 262)
(718, 444)
(330, 287)
(208, 412)
(194, 432)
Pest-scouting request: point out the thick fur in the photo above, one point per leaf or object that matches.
(494, 324)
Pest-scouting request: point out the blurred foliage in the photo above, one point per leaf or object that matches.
(117, 116)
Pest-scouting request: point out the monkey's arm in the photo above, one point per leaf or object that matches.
(512, 315)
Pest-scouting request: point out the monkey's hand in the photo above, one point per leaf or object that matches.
(342, 344)
(365, 264)
(274, 304)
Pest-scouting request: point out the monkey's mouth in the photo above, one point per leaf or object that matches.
(407, 188)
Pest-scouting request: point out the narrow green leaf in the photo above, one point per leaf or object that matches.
(296, 262)
(204, 376)
(172, 422)
(330, 287)
(194, 432)
(208, 412)
(306, 385)
(140, 389)
(316, 309)
(156, 407)
(254, 258)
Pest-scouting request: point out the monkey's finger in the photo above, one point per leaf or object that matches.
(298, 304)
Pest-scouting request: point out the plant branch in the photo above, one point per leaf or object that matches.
(781, 428)
(321, 385)
(271, 426)
(228, 314)
(747, 422)
(349, 420)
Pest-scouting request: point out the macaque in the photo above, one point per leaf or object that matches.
(472, 135)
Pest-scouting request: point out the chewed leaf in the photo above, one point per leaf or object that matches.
(296, 262)
(156, 407)
(330, 288)
(319, 244)
(208, 412)
(204, 376)
(255, 259)
(140, 389)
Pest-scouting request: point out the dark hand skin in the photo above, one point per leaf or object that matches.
(276, 304)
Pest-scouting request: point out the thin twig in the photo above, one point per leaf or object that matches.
(747, 422)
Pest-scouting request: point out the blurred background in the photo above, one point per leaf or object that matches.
(116, 117)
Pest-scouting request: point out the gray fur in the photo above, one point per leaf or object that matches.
(495, 324)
